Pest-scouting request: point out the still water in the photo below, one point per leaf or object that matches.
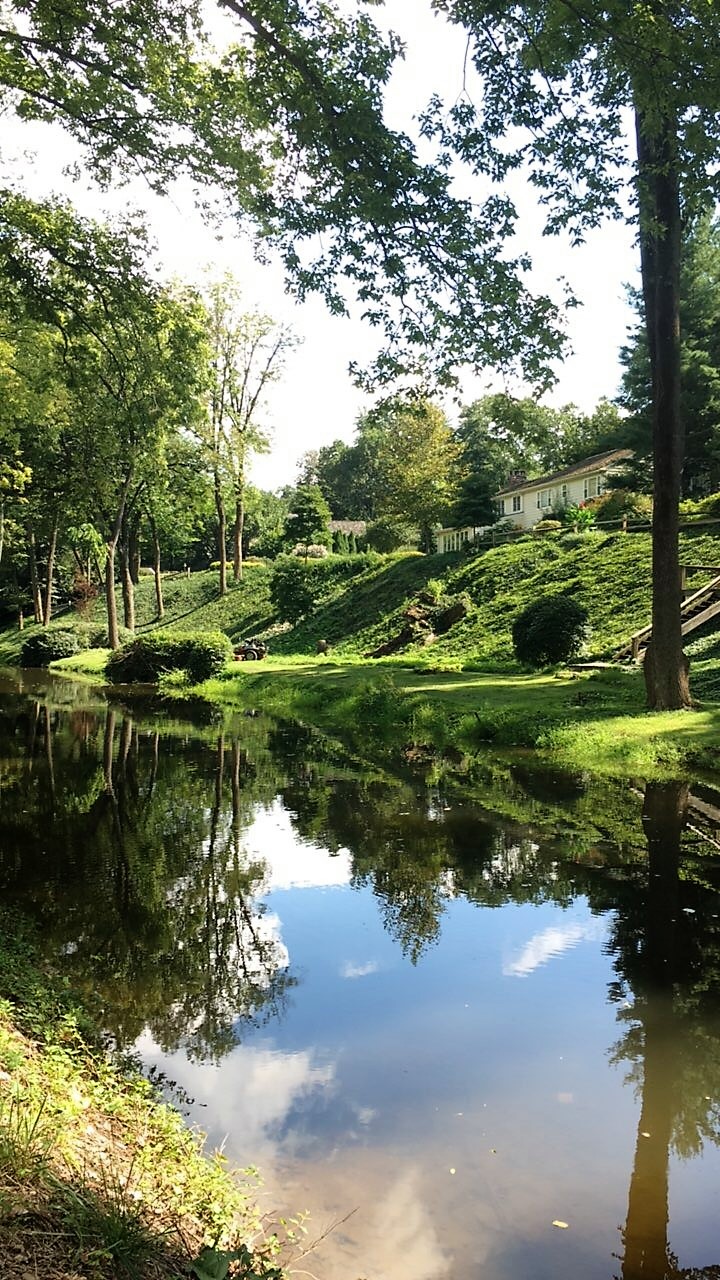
(463, 1005)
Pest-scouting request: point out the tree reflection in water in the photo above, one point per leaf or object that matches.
(667, 957)
(138, 880)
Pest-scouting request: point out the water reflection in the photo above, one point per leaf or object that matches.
(134, 869)
(397, 992)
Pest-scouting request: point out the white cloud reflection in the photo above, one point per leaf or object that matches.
(551, 943)
(351, 970)
(248, 1096)
(293, 863)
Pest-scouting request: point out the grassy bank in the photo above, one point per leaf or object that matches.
(593, 721)
(466, 688)
(99, 1178)
(362, 604)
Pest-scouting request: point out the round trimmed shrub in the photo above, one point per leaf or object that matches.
(201, 654)
(547, 526)
(46, 646)
(552, 629)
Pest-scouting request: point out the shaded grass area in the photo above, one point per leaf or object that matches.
(97, 1176)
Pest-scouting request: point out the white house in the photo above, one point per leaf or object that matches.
(525, 502)
(455, 539)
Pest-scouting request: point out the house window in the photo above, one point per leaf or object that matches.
(594, 485)
(543, 499)
(502, 506)
(563, 495)
(517, 502)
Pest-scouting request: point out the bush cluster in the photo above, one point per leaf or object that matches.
(46, 646)
(201, 653)
(617, 503)
(551, 629)
(297, 588)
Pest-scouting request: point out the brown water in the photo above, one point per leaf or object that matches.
(461, 1006)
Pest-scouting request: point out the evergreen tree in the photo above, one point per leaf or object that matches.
(700, 361)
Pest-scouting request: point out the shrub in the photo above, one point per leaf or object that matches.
(201, 653)
(550, 630)
(83, 593)
(578, 517)
(432, 592)
(699, 507)
(47, 646)
(617, 503)
(547, 526)
(96, 637)
(389, 534)
(294, 588)
(310, 550)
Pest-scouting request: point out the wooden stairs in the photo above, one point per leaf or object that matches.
(697, 608)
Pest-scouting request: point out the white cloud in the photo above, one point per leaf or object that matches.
(293, 863)
(247, 1096)
(551, 943)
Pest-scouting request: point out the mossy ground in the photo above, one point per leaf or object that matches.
(98, 1177)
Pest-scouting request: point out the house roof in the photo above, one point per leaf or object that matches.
(358, 527)
(597, 462)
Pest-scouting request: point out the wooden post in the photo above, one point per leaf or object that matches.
(624, 523)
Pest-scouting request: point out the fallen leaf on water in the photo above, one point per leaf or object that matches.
(562, 1225)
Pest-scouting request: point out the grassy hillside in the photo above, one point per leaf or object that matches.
(608, 573)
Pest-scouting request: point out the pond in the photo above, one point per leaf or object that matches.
(465, 1013)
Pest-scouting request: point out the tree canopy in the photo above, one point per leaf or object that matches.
(287, 121)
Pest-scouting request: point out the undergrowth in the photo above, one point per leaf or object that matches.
(87, 1147)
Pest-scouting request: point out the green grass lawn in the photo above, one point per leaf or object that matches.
(593, 721)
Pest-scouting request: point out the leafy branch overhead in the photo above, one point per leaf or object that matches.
(287, 121)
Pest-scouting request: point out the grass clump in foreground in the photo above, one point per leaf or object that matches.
(98, 1177)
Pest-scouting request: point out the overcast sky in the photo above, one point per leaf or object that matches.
(316, 401)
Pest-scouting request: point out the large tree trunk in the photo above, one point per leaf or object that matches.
(238, 531)
(645, 1235)
(222, 533)
(128, 588)
(156, 570)
(111, 547)
(34, 580)
(666, 666)
(47, 608)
